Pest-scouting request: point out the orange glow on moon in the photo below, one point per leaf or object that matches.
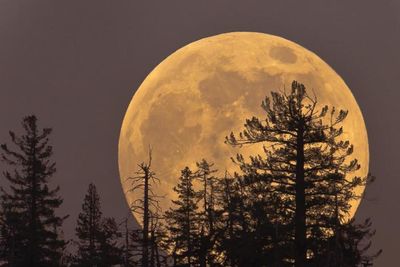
(203, 91)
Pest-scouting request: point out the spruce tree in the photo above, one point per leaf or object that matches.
(349, 246)
(111, 251)
(29, 224)
(89, 228)
(306, 161)
(183, 222)
(207, 213)
(233, 230)
(97, 236)
(247, 222)
(11, 234)
(227, 230)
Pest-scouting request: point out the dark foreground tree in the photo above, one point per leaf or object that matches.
(148, 210)
(88, 230)
(110, 248)
(183, 222)
(248, 223)
(348, 246)
(306, 163)
(29, 225)
(207, 214)
(130, 247)
(97, 236)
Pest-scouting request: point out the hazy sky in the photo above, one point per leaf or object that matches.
(76, 64)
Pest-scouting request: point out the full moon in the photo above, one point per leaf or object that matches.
(199, 94)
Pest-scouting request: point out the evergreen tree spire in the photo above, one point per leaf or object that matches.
(183, 221)
(97, 236)
(29, 223)
(88, 228)
(306, 161)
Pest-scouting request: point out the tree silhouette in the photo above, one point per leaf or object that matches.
(306, 162)
(227, 200)
(183, 222)
(246, 224)
(88, 229)
(130, 248)
(97, 236)
(348, 246)
(29, 226)
(110, 249)
(207, 213)
(146, 207)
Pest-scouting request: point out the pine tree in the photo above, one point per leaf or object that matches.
(111, 252)
(134, 245)
(233, 231)
(207, 213)
(29, 225)
(97, 236)
(349, 246)
(227, 230)
(158, 245)
(306, 161)
(11, 234)
(247, 223)
(183, 222)
(88, 229)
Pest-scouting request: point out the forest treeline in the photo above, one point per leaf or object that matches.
(288, 206)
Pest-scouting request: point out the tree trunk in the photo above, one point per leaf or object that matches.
(34, 217)
(300, 213)
(145, 248)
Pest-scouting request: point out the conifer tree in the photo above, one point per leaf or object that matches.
(232, 231)
(246, 226)
(129, 249)
(11, 234)
(207, 213)
(134, 247)
(89, 228)
(349, 246)
(306, 161)
(158, 246)
(29, 224)
(97, 236)
(183, 222)
(111, 251)
(227, 229)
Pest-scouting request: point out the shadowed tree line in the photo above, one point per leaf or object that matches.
(288, 206)
(31, 230)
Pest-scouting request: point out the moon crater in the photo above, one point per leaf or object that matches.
(283, 54)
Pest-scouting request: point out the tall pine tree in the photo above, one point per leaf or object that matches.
(89, 228)
(97, 236)
(183, 222)
(29, 224)
(306, 161)
(207, 212)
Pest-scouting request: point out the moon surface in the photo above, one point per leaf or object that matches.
(199, 94)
